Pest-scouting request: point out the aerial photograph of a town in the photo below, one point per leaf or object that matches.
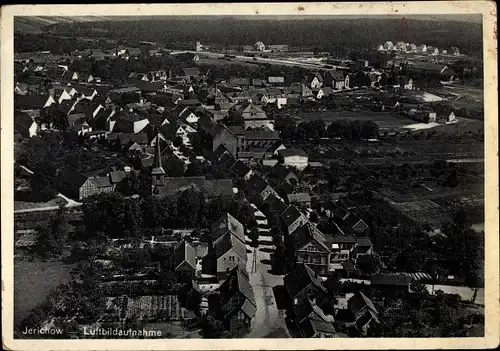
(218, 177)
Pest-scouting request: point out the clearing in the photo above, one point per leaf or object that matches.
(33, 281)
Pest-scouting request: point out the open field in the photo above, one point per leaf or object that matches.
(25, 205)
(217, 62)
(33, 281)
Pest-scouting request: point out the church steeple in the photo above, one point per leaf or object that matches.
(158, 173)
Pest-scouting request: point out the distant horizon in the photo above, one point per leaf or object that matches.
(467, 18)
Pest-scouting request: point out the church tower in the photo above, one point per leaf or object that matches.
(158, 173)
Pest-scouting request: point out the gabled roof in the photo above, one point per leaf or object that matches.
(292, 152)
(299, 197)
(290, 215)
(227, 224)
(237, 283)
(239, 169)
(101, 182)
(262, 135)
(239, 81)
(305, 234)
(343, 239)
(256, 185)
(364, 242)
(185, 253)
(300, 278)
(30, 101)
(276, 79)
(230, 240)
(191, 71)
(359, 301)
(23, 120)
(69, 178)
(278, 205)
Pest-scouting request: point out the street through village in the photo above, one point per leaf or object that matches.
(267, 318)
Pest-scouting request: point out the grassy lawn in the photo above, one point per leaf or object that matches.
(33, 281)
(24, 205)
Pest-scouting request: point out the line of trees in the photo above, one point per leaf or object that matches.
(115, 216)
(317, 129)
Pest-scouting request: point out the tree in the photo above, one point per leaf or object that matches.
(41, 188)
(177, 141)
(173, 167)
(130, 185)
(193, 301)
(51, 239)
(369, 264)
(254, 236)
(333, 285)
(211, 327)
(419, 289)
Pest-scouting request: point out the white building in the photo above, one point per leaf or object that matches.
(388, 45)
(259, 46)
(294, 158)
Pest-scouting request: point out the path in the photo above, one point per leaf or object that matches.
(69, 202)
(267, 317)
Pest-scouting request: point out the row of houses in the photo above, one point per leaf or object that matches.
(401, 46)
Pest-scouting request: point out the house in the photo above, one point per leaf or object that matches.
(341, 247)
(313, 322)
(25, 125)
(152, 88)
(259, 139)
(431, 50)
(239, 82)
(227, 224)
(21, 88)
(362, 311)
(355, 224)
(61, 94)
(191, 72)
(310, 248)
(303, 199)
(364, 247)
(405, 83)
(273, 205)
(228, 252)
(388, 46)
(276, 81)
(422, 49)
(220, 135)
(391, 284)
(237, 300)
(83, 91)
(293, 218)
(127, 122)
(303, 283)
(294, 158)
(185, 259)
(259, 46)
(454, 51)
(132, 52)
(74, 184)
(313, 81)
(128, 94)
(256, 186)
(336, 80)
(255, 117)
